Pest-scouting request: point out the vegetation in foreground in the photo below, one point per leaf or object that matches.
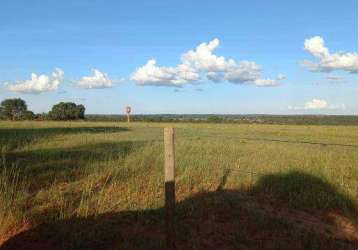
(99, 185)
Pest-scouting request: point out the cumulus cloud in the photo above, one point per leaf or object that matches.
(203, 59)
(316, 104)
(203, 63)
(327, 61)
(98, 80)
(246, 71)
(151, 74)
(38, 83)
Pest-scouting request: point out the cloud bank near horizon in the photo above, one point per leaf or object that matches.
(316, 104)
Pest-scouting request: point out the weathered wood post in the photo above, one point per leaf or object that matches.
(169, 174)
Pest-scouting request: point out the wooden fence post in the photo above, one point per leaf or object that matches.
(169, 174)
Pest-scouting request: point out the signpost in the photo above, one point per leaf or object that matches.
(128, 111)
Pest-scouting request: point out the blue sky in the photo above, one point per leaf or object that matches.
(99, 53)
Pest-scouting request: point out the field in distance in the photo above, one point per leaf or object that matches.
(99, 185)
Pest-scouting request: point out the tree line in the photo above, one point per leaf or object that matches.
(233, 119)
(16, 110)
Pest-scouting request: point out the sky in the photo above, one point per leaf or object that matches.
(181, 57)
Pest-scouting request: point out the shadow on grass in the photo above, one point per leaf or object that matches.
(283, 211)
(14, 138)
(301, 191)
(45, 165)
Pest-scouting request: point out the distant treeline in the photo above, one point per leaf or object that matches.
(16, 109)
(243, 119)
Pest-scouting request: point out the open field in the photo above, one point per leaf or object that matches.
(99, 185)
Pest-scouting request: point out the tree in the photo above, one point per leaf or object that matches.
(13, 108)
(26, 115)
(67, 111)
(80, 111)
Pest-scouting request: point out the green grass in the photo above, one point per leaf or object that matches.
(56, 173)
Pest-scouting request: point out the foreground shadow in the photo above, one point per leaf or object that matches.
(301, 191)
(283, 211)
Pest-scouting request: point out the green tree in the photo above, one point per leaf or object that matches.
(80, 111)
(67, 111)
(26, 115)
(13, 108)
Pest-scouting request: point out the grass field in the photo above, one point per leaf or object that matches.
(99, 185)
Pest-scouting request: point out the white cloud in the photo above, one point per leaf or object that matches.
(316, 47)
(245, 72)
(98, 80)
(203, 59)
(202, 63)
(346, 61)
(317, 104)
(151, 74)
(38, 83)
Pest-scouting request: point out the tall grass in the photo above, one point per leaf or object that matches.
(13, 196)
(58, 170)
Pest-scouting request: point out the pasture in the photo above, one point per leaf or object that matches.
(99, 185)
